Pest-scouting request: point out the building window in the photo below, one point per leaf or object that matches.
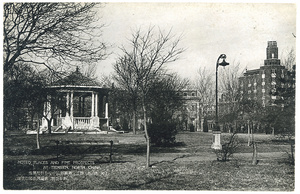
(273, 83)
(249, 85)
(263, 90)
(193, 94)
(273, 74)
(255, 91)
(263, 83)
(249, 91)
(263, 75)
(273, 97)
(193, 107)
(282, 73)
(186, 107)
(184, 94)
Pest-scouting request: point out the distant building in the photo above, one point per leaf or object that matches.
(190, 114)
(258, 84)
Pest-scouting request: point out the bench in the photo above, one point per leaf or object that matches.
(86, 142)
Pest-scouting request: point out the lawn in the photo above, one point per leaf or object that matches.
(189, 165)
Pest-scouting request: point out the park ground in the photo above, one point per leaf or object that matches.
(189, 165)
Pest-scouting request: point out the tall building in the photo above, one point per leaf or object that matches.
(258, 84)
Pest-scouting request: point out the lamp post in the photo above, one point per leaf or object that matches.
(217, 133)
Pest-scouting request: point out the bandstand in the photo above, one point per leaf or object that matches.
(83, 105)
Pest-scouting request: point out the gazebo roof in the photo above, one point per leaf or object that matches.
(77, 79)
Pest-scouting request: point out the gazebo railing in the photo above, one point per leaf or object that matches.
(82, 122)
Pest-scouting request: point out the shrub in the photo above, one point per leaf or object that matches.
(162, 134)
(125, 125)
(192, 127)
(228, 149)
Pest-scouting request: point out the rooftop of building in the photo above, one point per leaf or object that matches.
(251, 72)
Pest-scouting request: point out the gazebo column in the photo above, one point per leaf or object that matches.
(67, 121)
(93, 122)
(94, 112)
(96, 122)
(71, 102)
(106, 110)
(67, 105)
(93, 105)
(197, 117)
(96, 104)
(106, 114)
(71, 109)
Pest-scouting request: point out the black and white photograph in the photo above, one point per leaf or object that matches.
(150, 96)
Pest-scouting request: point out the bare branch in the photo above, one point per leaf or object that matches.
(61, 31)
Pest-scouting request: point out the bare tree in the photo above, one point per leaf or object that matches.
(253, 112)
(230, 90)
(50, 33)
(90, 70)
(229, 82)
(205, 85)
(164, 98)
(23, 95)
(289, 60)
(143, 62)
(164, 105)
(127, 80)
(106, 80)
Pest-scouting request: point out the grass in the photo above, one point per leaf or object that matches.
(190, 165)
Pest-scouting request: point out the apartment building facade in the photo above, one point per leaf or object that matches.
(260, 84)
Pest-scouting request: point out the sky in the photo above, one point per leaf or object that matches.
(239, 30)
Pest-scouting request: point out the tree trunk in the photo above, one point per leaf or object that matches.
(38, 135)
(49, 125)
(254, 157)
(249, 139)
(252, 133)
(31, 121)
(134, 122)
(147, 136)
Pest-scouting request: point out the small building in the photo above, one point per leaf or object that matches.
(190, 114)
(76, 103)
